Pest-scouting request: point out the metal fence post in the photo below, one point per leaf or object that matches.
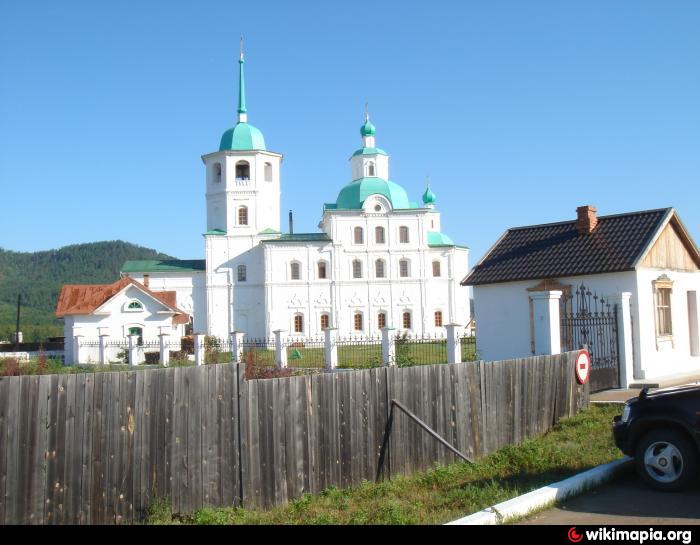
(164, 349)
(280, 350)
(103, 348)
(330, 347)
(237, 346)
(133, 349)
(454, 346)
(199, 349)
(388, 347)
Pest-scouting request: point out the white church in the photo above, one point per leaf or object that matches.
(379, 260)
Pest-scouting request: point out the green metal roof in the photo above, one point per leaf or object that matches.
(242, 137)
(369, 151)
(436, 238)
(300, 237)
(368, 129)
(353, 195)
(428, 196)
(168, 265)
(268, 231)
(215, 232)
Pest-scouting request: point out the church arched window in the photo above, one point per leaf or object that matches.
(358, 235)
(243, 215)
(403, 234)
(406, 320)
(404, 268)
(295, 270)
(217, 172)
(371, 170)
(379, 269)
(379, 237)
(242, 170)
(322, 270)
(268, 172)
(357, 268)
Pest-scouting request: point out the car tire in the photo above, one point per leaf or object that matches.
(667, 460)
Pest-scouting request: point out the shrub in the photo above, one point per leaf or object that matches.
(256, 368)
(41, 361)
(403, 351)
(10, 367)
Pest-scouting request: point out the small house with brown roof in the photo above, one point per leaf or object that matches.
(625, 285)
(125, 307)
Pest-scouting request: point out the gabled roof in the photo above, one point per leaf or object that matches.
(87, 298)
(618, 243)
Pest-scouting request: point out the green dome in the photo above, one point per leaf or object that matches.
(353, 195)
(428, 196)
(368, 129)
(242, 137)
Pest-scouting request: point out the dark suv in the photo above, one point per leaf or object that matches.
(661, 430)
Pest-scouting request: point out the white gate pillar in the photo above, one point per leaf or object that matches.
(237, 346)
(624, 334)
(133, 349)
(388, 347)
(199, 349)
(454, 346)
(280, 350)
(77, 339)
(164, 349)
(547, 322)
(103, 348)
(330, 347)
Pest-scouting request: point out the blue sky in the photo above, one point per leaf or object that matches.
(518, 111)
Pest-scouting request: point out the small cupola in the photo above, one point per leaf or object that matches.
(429, 197)
(586, 220)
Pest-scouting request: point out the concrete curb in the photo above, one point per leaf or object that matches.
(525, 504)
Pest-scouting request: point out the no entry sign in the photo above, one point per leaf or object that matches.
(583, 366)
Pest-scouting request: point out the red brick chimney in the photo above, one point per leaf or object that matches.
(586, 220)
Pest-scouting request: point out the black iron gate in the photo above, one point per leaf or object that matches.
(592, 322)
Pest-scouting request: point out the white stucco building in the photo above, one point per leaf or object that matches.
(378, 260)
(643, 264)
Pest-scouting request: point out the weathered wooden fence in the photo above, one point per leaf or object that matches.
(98, 448)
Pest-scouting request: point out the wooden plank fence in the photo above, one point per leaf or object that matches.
(99, 448)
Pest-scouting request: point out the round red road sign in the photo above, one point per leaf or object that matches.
(583, 366)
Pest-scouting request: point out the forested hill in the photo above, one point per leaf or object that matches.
(38, 276)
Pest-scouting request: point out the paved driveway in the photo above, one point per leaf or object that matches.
(625, 501)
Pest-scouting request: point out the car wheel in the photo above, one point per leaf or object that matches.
(666, 460)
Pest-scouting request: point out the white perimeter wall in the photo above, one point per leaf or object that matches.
(502, 311)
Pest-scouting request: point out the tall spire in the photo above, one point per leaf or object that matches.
(242, 112)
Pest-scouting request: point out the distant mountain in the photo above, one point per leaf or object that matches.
(38, 277)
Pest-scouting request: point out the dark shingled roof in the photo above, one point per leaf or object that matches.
(557, 250)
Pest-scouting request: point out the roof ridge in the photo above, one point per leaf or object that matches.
(609, 216)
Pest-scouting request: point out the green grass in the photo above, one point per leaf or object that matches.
(55, 367)
(443, 493)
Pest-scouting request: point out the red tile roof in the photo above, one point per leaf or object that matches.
(86, 298)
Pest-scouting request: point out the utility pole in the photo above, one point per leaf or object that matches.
(19, 304)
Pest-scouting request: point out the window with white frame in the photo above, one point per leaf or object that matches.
(357, 321)
(381, 320)
(357, 268)
(358, 235)
(325, 321)
(295, 270)
(663, 290)
(379, 268)
(298, 323)
(268, 172)
(242, 273)
(242, 170)
(379, 236)
(243, 215)
(134, 306)
(403, 234)
(406, 320)
(436, 269)
(322, 270)
(438, 318)
(370, 169)
(404, 268)
(217, 172)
